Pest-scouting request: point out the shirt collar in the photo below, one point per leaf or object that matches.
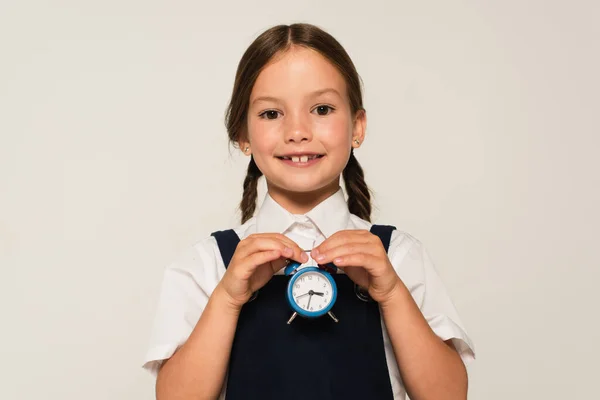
(329, 216)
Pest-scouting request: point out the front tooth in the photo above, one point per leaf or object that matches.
(295, 159)
(304, 158)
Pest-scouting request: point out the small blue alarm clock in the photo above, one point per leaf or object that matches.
(311, 291)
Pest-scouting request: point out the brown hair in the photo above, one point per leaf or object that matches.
(271, 42)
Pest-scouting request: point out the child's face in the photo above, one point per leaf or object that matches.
(288, 114)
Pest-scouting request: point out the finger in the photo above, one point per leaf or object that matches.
(296, 252)
(345, 250)
(278, 264)
(342, 238)
(248, 265)
(257, 243)
(299, 254)
(360, 260)
(358, 275)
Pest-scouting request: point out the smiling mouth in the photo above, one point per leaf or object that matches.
(301, 159)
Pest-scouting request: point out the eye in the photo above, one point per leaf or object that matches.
(269, 114)
(323, 110)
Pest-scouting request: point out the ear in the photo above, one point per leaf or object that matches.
(359, 128)
(244, 144)
(244, 147)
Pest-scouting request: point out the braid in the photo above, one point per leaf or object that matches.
(359, 198)
(248, 203)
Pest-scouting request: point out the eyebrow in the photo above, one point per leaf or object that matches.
(316, 93)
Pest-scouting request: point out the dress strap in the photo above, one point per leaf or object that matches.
(385, 234)
(227, 241)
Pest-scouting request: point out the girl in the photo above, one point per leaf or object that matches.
(223, 326)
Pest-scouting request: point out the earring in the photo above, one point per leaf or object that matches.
(246, 149)
(356, 141)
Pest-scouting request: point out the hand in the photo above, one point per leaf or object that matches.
(360, 254)
(254, 262)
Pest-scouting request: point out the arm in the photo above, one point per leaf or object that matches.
(197, 370)
(430, 368)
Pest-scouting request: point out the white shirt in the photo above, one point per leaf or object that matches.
(189, 281)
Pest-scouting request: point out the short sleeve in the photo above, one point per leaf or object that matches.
(416, 269)
(186, 286)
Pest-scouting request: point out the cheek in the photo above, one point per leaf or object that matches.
(334, 131)
(263, 136)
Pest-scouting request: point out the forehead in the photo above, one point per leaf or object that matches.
(297, 73)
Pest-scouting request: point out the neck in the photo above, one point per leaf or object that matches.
(302, 202)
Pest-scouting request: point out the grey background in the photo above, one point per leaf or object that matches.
(482, 141)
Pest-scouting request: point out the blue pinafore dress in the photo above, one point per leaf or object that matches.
(316, 359)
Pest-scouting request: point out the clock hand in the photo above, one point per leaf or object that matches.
(309, 298)
(302, 295)
(310, 293)
(319, 293)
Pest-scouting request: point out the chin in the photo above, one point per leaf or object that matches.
(306, 186)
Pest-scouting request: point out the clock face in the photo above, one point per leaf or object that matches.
(312, 291)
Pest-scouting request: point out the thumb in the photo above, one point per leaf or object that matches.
(281, 262)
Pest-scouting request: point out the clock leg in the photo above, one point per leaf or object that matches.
(333, 316)
(292, 318)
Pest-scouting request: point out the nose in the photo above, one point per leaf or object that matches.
(297, 129)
